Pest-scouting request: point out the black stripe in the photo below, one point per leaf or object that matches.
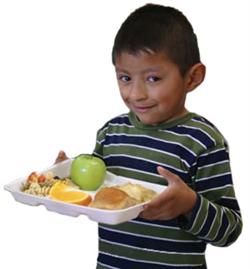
(142, 165)
(212, 158)
(128, 264)
(213, 182)
(150, 243)
(151, 143)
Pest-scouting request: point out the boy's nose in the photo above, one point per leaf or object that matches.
(137, 91)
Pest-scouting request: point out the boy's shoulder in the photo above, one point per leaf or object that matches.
(203, 129)
(120, 120)
(193, 126)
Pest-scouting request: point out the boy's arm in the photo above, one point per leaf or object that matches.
(216, 216)
(211, 211)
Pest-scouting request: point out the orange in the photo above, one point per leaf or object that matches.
(62, 192)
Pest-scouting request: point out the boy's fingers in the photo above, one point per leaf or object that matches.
(61, 157)
(169, 176)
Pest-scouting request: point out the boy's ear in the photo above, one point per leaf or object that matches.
(195, 76)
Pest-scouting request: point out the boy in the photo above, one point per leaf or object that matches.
(157, 62)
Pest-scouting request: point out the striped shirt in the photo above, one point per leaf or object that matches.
(192, 148)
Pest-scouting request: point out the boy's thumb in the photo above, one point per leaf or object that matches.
(169, 176)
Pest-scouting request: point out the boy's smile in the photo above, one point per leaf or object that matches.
(151, 86)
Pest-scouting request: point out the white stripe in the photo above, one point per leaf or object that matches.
(155, 225)
(212, 152)
(145, 261)
(229, 226)
(186, 135)
(228, 197)
(212, 224)
(147, 160)
(213, 128)
(104, 129)
(197, 215)
(123, 115)
(97, 154)
(150, 249)
(218, 229)
(121, 124)
(151, 149)
(156, 139)
(217, 175)
(108, 266)
(230, 243)
(148, 236)
(134, 170)
(212, 164)
(202, 225)
(215, 189)
(201, 130)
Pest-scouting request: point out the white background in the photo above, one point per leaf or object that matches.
(56, 86)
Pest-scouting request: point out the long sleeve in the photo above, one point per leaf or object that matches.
(216, 217)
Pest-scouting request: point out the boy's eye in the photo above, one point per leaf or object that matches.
(153, 79)
(124, 78)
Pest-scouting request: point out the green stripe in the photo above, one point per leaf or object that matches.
(201, 217)
(213, 170)
(214, 194)
(150, 230)
(207, 129)
(99, 266)
(214, 229)
(231, 218)
(153, 256)
(167, 137)
(139, 175)
(148, 154)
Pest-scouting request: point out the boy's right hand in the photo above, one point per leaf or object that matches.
(61, 157)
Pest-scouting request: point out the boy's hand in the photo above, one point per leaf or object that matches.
(176, 200)
(61, 157)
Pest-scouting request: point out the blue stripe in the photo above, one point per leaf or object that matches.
(195, 133)
(151, 243)
(213, 158)
(213, 182)
(210, 218)
(128, 264)
(204, 120)
(142, 165)
(230, 203)
(121, 120)
(223, 228)
(168, 223)
(151, 143)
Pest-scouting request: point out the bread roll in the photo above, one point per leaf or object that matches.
(112, 198)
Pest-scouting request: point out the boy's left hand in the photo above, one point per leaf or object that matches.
(176, 200)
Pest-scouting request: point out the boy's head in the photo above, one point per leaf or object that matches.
(156, 28)
(157, 63)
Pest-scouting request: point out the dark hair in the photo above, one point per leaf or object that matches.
(159, 29)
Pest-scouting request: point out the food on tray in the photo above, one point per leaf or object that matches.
(88, 172)
(138, 192)
(63, 192)
(122, 196)
(112, 198)
(108, 197)
(40, 184)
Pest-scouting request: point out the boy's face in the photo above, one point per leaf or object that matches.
(151, 86)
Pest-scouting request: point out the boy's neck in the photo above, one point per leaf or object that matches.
(186, 115)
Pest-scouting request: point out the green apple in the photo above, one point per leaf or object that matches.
(88, 172)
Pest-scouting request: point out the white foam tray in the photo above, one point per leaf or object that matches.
(99, 215)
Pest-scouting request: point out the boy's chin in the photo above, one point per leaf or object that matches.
(146, 121)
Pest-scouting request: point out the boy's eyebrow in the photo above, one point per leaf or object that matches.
(146, 70)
